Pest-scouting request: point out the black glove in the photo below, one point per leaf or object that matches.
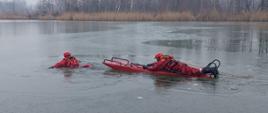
(205, 70)
(145, 67)
(51, 67)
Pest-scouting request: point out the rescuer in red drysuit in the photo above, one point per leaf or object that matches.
(68, 61)
(168, 63)
(161, 61)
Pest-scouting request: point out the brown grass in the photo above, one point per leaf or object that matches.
(259, 16)
(248, 16)
(213, 15)
(12, 16)
(125, 16)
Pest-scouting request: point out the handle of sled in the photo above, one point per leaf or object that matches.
(216, 63)
(114, 59)
(136, 64)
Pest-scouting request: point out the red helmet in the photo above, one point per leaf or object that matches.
(67, 54)
(158, 55)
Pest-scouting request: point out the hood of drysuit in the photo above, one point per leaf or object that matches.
(158, 56)
(67, 54)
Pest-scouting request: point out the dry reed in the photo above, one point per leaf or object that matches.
(213, 15)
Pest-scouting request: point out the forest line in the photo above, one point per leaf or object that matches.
(138, 10)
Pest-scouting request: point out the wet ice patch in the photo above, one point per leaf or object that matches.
(186, 43)
(139, 98)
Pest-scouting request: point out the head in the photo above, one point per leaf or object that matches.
(67, 54)
(158, 56)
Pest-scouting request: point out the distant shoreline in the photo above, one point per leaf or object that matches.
(137, 16)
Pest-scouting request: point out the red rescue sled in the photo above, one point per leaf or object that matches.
(126, 66)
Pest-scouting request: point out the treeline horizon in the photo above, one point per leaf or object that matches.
(138, 10)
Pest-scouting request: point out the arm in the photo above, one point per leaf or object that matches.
(148, 65)
(151, 64)
(60, 64)
(74, 62)
(158, 65)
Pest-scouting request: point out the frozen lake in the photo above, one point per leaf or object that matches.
(28, 48)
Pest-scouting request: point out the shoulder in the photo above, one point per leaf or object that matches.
(165, 60)
(72, 58)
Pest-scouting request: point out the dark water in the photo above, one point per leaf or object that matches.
(28, 48)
